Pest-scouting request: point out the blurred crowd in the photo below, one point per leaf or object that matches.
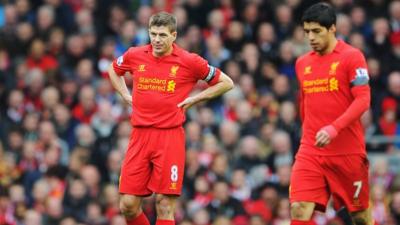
(64, 130)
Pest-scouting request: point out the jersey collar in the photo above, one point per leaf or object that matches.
(338, 48)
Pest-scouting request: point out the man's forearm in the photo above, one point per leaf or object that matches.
(355, 110)
(214, 91)
(118, 82)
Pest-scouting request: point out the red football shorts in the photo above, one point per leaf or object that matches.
(315, 178)
(154, 162)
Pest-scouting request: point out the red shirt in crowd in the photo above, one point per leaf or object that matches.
(45, 63)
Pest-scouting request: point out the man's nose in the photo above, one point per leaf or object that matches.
(310, 36)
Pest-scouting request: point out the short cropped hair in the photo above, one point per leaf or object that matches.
(163, 19)
(321, 13)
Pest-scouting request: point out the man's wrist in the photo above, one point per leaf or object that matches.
(197, 98)
(124, 94)
(331, 130)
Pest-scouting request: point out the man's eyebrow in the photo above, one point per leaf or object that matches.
(311, 29)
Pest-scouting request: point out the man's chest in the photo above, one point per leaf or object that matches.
(161, 68)
(320, 76)
(163, 76)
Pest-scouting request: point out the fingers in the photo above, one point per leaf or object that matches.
(185, 104)
(129, 101)
(322, 138)
(181, 104)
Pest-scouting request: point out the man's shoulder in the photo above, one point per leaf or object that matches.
(305, 57)
(184, 53)
(349, 51)
(186, 56)
(139, 49)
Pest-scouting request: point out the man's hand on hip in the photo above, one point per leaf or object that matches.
(187, 103)
(128, 99)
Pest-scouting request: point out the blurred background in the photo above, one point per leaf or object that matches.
(64, 130)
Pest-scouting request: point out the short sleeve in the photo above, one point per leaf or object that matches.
(204, 71)
(357, 69)
(122, 64)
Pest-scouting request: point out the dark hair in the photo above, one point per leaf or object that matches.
(321, 13)
(163, 19)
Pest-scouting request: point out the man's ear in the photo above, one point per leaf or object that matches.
(333, 28)
(174, 34)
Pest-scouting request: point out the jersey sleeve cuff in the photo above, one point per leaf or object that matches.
(117, 70)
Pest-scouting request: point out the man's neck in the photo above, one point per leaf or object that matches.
(169, 52)
(331, 46)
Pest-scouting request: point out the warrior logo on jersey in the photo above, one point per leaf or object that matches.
(141, 68)
(173, 186)
(307, 70)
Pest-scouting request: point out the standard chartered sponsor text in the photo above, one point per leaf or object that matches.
(151, 87)
(316, 89)
(155, 84)
(148, 80)
(308, 83)
(320, 85)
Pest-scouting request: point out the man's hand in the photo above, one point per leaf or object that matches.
(325, 135)
(127, 98)
(118, 82)
(187, 103)
(223, 85)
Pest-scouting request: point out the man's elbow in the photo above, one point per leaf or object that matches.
(367, 104)
(363, 97)
(111, 71)
(226, 81)
(229, 84)
(367, 101)
(110, 68)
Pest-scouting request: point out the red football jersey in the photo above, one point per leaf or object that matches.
(328, 86)
(160, 83)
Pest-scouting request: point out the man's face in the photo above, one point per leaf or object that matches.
(161, 39)
(318, 36)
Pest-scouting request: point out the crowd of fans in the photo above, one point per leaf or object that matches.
(64, 131)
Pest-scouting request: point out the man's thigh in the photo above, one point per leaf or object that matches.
(136, 167)
(308, 183)
(168, 162)
(347, 177)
